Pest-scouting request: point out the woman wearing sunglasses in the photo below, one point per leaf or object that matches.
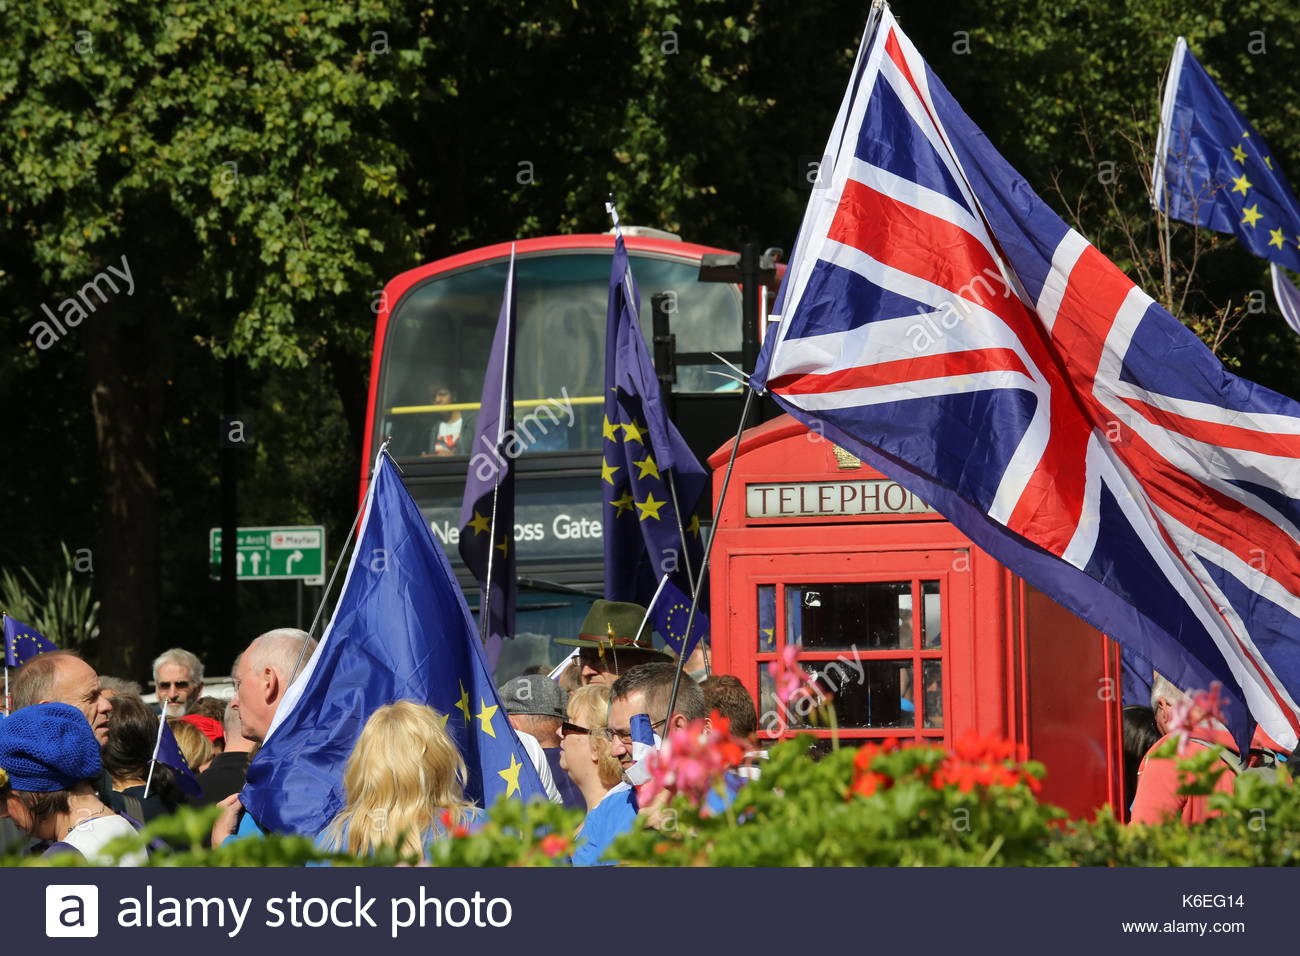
(584, 751)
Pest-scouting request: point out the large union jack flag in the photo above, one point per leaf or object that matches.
(942, 322)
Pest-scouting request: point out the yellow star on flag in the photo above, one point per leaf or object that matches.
(1238, 153)
(609, 431)
(1268, 162)
(1241, 184)
(1276, 239)
(511, 776)
(504, 547)
(634, 432)
(442, 720)
(480, 524)
(694, 526)
(463, 704)
(1251, 215)
(649, 508)
(485, 715)
(647, 466)
(607, 470)
(623, 504)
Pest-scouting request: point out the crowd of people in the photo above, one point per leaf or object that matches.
(77, 766)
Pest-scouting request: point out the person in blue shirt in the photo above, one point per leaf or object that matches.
(403, 785)
(644, 689)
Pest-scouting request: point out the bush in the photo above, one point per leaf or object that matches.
(912, 806)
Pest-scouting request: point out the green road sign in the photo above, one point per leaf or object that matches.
(274, 554)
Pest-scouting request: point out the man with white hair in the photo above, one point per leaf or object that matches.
(262, 676)
(225, 775)
(178, 678)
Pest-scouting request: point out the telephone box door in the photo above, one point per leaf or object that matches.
(887, 632)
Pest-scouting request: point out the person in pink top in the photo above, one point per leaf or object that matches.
(1159, 779)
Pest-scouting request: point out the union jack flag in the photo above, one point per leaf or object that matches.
(939, 320)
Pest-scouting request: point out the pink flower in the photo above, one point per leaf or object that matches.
(791, 680)
(1195, 712)
(691, 761)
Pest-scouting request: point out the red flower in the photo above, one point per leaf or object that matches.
(693, 759)
(554, 845)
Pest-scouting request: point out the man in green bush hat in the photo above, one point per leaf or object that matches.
(613, 640)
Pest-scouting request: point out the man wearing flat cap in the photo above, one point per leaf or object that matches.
(534, 705)
(613, 639)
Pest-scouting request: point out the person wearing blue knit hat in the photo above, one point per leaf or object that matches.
(49, 762)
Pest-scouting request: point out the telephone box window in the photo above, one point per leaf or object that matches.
(931, 621)
(932, 691)
(875, 615)
(766, 618)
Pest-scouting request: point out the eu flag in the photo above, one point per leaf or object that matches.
(401, 631)
(487, 516)
(645, 461)
(1213, 168)
(22, 642)
(167, 752)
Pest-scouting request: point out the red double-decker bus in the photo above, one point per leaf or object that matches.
(434, 331)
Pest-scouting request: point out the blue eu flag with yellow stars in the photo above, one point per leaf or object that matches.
(167, 751)
(22, 642)
(645, 462)
(401, 631)
(487, 514)
(1213, 168)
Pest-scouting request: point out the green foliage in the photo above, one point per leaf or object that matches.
(807, 812)
(63, 610)
(803, 812)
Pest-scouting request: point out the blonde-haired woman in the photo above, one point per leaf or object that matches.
(404, 785)
(584, 752)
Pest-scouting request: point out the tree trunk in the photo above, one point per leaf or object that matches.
(125, 391)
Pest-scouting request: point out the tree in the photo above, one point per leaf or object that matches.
(232, 163)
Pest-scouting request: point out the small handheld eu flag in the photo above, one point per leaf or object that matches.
(23, 642)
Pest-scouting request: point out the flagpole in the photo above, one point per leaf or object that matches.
(154, 759)
(329, 585)
(681, 530)
(484, 611)
(708, 550)
(612, 210)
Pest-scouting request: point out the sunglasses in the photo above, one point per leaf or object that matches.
(178, 684)
(568, 728)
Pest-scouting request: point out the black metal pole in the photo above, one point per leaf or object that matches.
(750, 290)
(229, 593)
(708, 551)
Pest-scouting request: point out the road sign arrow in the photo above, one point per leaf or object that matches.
(239, 563)
(288, 563)
(256, 558)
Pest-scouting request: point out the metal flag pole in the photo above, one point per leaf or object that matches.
(329, 585)
(681, 530)
(612, 210)
(485, 593)
(708, 550)
(156, 744)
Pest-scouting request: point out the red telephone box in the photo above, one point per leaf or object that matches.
(919, 634)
